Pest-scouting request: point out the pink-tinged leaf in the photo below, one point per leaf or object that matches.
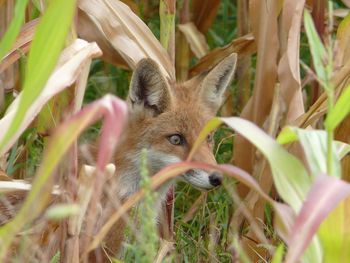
(326, 193)
(113, 110)
(290, 176)
(123, 32)
(67, 71)
(285, 214)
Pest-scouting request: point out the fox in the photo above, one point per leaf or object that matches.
(165, 119)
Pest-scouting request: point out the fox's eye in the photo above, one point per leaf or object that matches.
(176, 139)
(210, 138)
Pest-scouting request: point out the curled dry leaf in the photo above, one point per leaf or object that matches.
(346, 2)
(67, 70)
(343, 39)
(204, 13)
(122, 31)
(264, 22)
(319, 108)
(243, 46)
(195, 38)
(21, 46)
(288, 67)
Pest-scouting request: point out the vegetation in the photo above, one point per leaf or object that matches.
(285, 158)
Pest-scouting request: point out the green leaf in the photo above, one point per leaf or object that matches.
(334, 234)
(287, 136)
(61, 211)
(325, 195)
(314, 143)
(318, 51)
(47, 43)
(112, 109)
(56, 258)
(278, 256)
(290, 176)
(340, 110)
(342, 149)
(14, 28)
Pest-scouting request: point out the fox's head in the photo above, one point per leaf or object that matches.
(166, 119)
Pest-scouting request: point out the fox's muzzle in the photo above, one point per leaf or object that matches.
(202, 180)
(215, 179)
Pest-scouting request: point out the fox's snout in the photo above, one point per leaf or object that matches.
(215, 179)
(203, 180)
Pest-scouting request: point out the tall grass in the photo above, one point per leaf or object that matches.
(285, 188)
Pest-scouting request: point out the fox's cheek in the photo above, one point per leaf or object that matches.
(181, 152)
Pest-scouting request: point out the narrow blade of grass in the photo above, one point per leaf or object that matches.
(10, 36)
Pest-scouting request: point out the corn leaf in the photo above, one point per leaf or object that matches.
(195, 38)
(324, 196)
(343, 38)
(278, 256)
(66, 73)
(318, 51)
(290, 177)
(21, 45)
(114, 112)
(125, 32)
(47, 44)
(334, 234)
(314, 143)
(10, 36)
(243, 46)
(289, 64)
(264, 24)
(175, 170)
(340, 110)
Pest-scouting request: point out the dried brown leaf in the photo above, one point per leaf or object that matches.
(264, 22)
(319, 108)
(204, 13)
(21, 46)
(343, 41)
(244, 67)
(346, 2)
(288, 68)
(90, 32)
(243, 46)
(66, 72)
(125, 32)
(195, 38)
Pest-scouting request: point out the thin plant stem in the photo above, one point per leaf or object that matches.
(330, 94)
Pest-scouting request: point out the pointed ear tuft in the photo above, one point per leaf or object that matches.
(148, 87)
(217, 80)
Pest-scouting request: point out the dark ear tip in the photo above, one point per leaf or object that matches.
(147, 63)
(232, 58)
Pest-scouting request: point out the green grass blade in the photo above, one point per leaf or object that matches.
(14, 28)
(318, 50)
(278, 256)
(290, 176)
(48, 41)
(340, 110)
(314, 143)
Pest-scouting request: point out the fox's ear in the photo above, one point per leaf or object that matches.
(148, 87)
(217, 80)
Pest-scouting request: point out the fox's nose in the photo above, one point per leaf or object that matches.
(215, 179)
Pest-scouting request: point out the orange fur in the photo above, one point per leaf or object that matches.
(162, 111)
